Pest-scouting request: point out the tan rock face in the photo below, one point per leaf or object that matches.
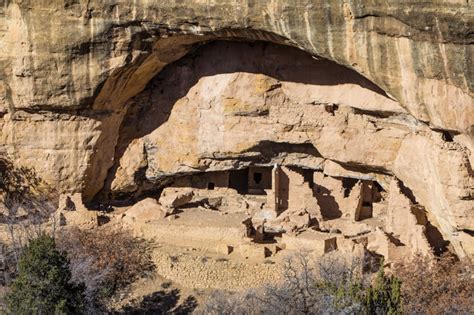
(144, 212)
(403, 223)
(238, 111)
(173, 198)
(118, 99)
(388, 43)
(131, 163)
(201, 112)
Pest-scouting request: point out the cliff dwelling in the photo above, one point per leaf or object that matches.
(220, 138)
(239, 145)
(257, 147)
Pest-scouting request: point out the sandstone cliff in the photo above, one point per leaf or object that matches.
(86, 101)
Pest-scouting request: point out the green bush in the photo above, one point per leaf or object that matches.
(43, 284)
(384, 296)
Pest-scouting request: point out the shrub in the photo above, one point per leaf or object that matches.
(331, 285)
(43, 284)
(223, 302)
(105, 260)
(27, 205)
(384, 296)
(442, 285)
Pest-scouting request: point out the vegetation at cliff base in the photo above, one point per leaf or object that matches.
(47, 282)
(43, 284)
(331, 285)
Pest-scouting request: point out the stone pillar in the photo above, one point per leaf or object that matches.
(276, 187)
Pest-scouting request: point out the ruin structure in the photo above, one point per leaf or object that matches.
(249, 127)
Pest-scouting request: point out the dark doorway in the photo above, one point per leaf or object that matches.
(308, 177)
(238, 180)
(283, 191)
(260, 180)
(257, 177)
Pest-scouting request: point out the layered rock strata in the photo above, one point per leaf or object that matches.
(92, 101)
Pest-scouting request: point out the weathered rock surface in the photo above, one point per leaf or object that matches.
(144, 211)
(95, 99)
(72, 212)
(173, 198)
(238, 110)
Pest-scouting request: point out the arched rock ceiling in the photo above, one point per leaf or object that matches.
(68, 70)
(228, 105)
(58, 54)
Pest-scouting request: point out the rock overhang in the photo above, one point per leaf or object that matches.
(92, 58)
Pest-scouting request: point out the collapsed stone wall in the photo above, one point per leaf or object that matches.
(301, 209)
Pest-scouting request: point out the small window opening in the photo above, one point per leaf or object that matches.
(211, 186)
(446, 136)
(331, 108)
(366, 204)
(257, 177)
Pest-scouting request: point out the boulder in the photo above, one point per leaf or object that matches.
(175, 197)
(145, 211)
(224, 249)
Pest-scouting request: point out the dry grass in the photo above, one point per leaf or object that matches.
(444, 285)
(105, 260)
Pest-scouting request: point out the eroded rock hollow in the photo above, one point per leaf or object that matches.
(330, 125)
(293, 140)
